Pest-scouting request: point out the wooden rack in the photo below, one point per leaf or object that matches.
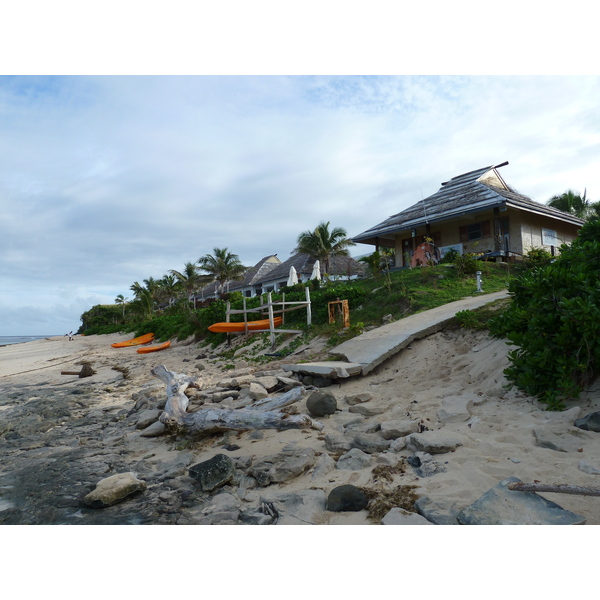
(271, 311)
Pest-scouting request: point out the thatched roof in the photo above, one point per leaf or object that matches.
(470, 192)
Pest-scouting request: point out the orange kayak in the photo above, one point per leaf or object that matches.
(143, 339)
(148, 349)
(237, 327)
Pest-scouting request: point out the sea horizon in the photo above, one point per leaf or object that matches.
(7, 340)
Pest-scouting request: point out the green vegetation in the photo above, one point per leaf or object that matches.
(554, 320)
(322, 244)
(370, 300)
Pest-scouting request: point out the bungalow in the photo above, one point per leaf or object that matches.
(249, 285)
(475, 212)
(341, 267)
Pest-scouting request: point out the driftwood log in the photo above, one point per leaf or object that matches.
(265, 414)
(563, 488)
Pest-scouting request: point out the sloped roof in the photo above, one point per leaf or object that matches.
(258, 271)
(470, 192)
(303, 263)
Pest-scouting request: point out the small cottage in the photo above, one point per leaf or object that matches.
(476, 212)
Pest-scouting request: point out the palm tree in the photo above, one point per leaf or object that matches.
(573, 203)
(168, 288)
(144, 297)
(222, 266)
(322, 244)
(190, 280)
(120, 299)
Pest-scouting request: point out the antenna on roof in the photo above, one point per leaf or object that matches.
(424, 209)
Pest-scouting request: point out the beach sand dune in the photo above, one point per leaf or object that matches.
(499, 429)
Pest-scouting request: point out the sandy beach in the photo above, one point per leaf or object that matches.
(90, 424)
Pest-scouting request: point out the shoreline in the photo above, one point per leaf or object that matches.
(62, 434)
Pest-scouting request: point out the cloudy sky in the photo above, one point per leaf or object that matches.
(108, 180)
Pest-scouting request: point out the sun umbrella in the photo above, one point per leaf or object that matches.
(316, 272)
(293, 277)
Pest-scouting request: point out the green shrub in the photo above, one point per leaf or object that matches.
(554, 322)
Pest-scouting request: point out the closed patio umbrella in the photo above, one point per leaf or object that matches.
(293, 277)
(316, 272)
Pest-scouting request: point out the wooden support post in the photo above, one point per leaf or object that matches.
(283, 308)
(308, 309)
(271, 324)
(245, 317)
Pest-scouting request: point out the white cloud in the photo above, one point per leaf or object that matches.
(109, 180)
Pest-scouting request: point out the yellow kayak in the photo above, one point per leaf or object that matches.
(143, 339)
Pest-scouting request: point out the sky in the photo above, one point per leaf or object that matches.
(115, 176)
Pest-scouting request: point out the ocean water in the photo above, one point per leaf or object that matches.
(6, 340)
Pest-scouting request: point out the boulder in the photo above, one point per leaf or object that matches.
(501, 506)
(358, 398)
(114, 489)
(354, 460)
(398, 516)
(222, 509)
(147, 417)
(270, 383)
(425, 465)
(455, 409)
(214, 472)
(277, 468)
(367, 411)
(320, 404)
(154, 430)
(347, 498)
(439, 512)
(558, 437)
(590, 422)
(297, 508)
(434, 442)
(334, 442)
(256, 391)
(370, 443)
(391, 430)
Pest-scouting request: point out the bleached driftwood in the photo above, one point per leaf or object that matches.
(563, 488)
(261, 416)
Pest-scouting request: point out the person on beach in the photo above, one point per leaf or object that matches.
(70, 336)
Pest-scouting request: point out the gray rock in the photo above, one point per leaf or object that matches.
(398, 444)
(455, 409)
(325, 464)
(501, 506)
(288, 382)
(367, 411)
(173, 468)
(200, 366)
(222, 509)
(590, 422)
(298, 508)
(434, 442)
(114, 489)
(154, 430)
(354, 460)
(438, 512)
(322, 382)
(320, 404)
(270, 383)
(397, 516)
(256, 391)
(558, 437)
(147, 417)
(370, 443)
(214, 472)
(256, 435)
(391, 430)
(358, 398)
(425, 465)
(347, 498)
(277, 468)
(591, 468)
(335, 442)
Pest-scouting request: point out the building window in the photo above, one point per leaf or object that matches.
(474, 231)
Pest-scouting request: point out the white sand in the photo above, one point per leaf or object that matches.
(498, 439)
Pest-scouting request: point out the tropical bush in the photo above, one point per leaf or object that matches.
(554, 322)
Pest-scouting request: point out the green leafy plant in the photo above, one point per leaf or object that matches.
(554, 322)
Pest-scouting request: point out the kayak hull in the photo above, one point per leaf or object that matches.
(239, 327)
(143, 339)
(149, 349)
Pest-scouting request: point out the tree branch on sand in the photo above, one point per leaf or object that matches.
(265, 414)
